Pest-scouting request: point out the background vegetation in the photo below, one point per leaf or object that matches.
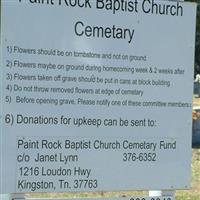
(197, 49)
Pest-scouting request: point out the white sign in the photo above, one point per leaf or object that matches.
(96, 95)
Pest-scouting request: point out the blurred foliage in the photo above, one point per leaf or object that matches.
(197, 53)
(197, 49)
(195, 115)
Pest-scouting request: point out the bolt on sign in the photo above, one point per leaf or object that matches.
(96, 95)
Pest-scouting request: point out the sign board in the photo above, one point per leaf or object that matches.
(96, 95)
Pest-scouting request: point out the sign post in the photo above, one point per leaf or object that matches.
(98, 82)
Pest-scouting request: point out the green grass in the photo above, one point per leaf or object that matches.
(192, 194)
